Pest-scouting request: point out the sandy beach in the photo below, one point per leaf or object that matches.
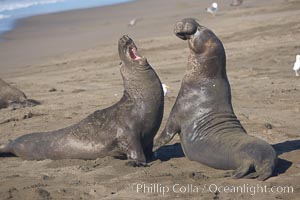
(75, 52)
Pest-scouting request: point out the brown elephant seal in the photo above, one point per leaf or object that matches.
(13, 97)
(210, 132)
(127, 128)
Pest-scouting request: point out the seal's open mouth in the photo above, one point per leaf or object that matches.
(133, 53)
(128, 51)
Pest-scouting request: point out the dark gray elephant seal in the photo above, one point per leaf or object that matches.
(203, 116)
(13, 97)
(125, 129)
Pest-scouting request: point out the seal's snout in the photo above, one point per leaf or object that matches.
(179, 31)
(128, 50)
(185, 28)
(125, 40)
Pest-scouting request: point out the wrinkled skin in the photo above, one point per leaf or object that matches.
(203, 116)
(125, 129)
(13, 97)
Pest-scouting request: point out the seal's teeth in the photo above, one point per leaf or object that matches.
(133, 53)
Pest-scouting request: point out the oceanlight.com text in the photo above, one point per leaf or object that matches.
(209, 188)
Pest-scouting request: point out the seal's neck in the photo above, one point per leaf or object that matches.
(207, 65)
(143, 84)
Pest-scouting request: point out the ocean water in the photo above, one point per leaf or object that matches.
(12, 10)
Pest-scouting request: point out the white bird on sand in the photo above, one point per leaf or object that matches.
(133, 22)
(297, 65)
(213, 9)
(236, 3)
(165, 88)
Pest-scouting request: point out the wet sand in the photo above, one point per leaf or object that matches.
(76, 53)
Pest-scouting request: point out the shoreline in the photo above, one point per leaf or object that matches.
(13, 15)
(37, 39)
(13, 42)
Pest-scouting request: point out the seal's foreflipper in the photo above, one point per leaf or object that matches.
(31, 102)
(24, 103)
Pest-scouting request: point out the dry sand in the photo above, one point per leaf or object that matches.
(76, 53)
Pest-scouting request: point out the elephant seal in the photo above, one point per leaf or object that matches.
(203, 115)
(127, 128)
(13, 97)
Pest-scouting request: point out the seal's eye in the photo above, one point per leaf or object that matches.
(133, 53)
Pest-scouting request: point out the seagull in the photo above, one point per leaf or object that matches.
(133, 22)
(213, 9)
(165, 89)
(297, 65)
(236, 3)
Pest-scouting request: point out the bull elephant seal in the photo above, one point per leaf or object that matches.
(210, 132)
(13, 97)
(127, 128)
